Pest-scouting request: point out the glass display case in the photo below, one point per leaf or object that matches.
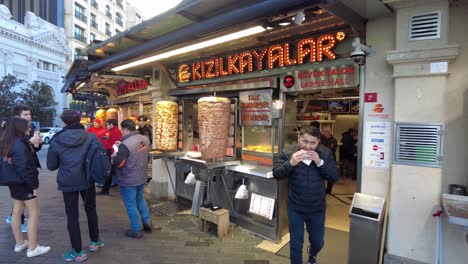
(260, 145)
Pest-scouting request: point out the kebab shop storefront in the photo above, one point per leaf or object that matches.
(131, 99)
(276, 90)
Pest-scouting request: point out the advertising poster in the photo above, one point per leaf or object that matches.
(377, 145)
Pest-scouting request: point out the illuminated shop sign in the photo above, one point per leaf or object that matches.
(129, 87)
(279, 55)
(339, 76)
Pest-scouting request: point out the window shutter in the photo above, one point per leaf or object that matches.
(419, 144)
(425, 26)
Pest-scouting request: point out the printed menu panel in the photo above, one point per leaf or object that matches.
(262, 205)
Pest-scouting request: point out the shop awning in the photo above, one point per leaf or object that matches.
(195, 21)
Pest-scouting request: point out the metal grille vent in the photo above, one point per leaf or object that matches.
(425, 26)
(419, 144)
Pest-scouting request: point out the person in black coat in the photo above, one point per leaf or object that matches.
(16, 150)
(67, 153)
(24, 111)
(306, 167)
(348, 151)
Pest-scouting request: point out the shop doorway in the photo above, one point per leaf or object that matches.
(336, 113)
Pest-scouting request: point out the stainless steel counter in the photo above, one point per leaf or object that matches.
(253, 170)
(211, 164)
(160, 155)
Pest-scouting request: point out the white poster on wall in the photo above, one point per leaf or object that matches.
(262, 205)
(377, 145)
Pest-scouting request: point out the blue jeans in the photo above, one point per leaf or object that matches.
(315, 225)
(132, 197)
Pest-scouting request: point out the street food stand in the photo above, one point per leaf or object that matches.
(249, 74)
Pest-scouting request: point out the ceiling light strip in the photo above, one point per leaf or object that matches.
(197, 46)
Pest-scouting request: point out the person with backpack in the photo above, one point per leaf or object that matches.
(17, 153)
(67, 153)
(131, 160)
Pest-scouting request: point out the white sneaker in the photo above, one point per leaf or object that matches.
(38, 251)
(19, 248)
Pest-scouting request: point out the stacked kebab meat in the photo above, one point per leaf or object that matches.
(112, 113)
(166, 123)
(213, 124)
(101, 115)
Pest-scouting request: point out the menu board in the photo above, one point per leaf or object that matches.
(262, 205)
(255, 107)
(338, 106)
(355, 106)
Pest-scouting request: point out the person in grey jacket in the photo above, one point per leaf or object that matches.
(131, 160)
(306, 167)
(67, 153)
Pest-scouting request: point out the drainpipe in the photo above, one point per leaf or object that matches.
(185, 34)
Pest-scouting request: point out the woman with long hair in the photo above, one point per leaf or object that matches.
(16, 150)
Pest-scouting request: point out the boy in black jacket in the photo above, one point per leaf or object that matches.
(306, 167)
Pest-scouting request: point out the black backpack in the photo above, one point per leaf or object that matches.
(97, 164)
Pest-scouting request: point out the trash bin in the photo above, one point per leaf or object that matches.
(365, 234)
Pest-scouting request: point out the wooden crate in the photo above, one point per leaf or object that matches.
(219, 217)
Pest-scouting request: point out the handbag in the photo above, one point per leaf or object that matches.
(8, 175)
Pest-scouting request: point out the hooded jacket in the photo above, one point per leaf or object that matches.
(24, 162)
(67, 153)
(306, 189)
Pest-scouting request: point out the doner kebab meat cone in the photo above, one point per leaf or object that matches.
(166, 125)
(213, 124)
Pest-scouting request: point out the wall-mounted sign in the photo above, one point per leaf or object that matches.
(377, 145)
(129, 87)
(321, 78)
(255, 107)
(279, 55)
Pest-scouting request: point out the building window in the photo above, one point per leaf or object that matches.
(119, 3)
(118, 19)
(94, 24)
(80, 14)
(95, 4)
(79, 34)
(108, 12)
(92, 37)
(108, 32)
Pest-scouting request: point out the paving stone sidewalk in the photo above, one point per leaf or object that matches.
(176, 240)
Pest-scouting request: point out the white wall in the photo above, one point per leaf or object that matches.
(380, 34)
(455, 168)
(23, 46)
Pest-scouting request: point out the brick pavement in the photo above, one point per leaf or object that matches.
(177, 239)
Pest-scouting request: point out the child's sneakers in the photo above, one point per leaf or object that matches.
(73, 255)
(39, 250)
(24, 228)
(94, 246)
(8, 219)
(19, 248)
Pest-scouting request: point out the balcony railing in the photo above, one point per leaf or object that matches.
(108, 14)
(108, 33)
(94, 24)
(95, 4)
(80, 37)
(119, 21)
(81, 16)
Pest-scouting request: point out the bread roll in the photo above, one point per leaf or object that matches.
(213, 124)
(166, 122)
